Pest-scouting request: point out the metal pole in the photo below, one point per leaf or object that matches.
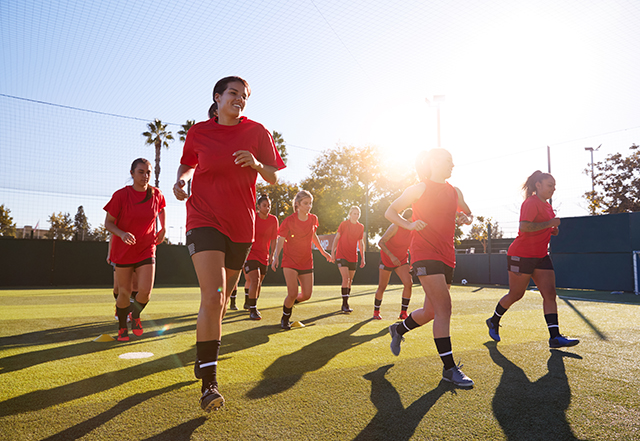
(549, 168)
(439, 144)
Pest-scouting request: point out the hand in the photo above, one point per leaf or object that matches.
(274, 264)
(128, 238)
(362, 263)
(160, 236)
(178, 191)
(328, 257)
(463, 219)
(395, 260)
(555, 222)
(108, 260)
(555, 231)
(244, 158)
(417, 225)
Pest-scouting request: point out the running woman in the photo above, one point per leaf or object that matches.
(528, 258)
(255, 268)
(134, 281)
(435, 205)
(344, 251)
(394, 256)
(224, 156)
(131, 219)
(295, 235)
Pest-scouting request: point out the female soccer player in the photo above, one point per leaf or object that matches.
(255, 268)
(224, 156)
(528, 258)
(134, 281)
(296, 234)
(435, 204)
(394, 256)
(131, 218)
(344, 251)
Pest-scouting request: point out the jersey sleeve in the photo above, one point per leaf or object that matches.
(341, 228)
(189, 154)
(267, 152)
(315, 223)
(528, 211)
(114, 206)
(276, 227)
(361, 232)
(162, 203)
(283, 230)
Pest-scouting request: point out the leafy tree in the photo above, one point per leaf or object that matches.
(157, 135)
(346, 176)
(61, 226)
(617, 183)
(281, 145)
(81, 225)
(100, 234)
(281, 195)
(479, 230)
(7, 227)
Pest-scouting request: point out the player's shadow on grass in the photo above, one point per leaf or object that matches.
(287, 370)
(393, 421)
(82, 429)
(182, 432)
(36, 357)
(533, 409)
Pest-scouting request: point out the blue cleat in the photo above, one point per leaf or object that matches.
(493, 330)
(562, 342)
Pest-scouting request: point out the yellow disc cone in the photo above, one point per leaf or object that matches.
(105, 337)
(297, 325)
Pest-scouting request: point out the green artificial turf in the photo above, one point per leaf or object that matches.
(333, 379)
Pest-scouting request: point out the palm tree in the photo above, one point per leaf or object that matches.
(183, 138)
(158, 136)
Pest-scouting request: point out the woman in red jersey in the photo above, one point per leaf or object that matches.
(435, 205)
(224, 156)
(528, 258)
(131, 219)
(295, 235)
(394, 256)
(255, 268)
(344, 252)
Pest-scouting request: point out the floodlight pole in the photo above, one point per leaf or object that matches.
(593, 186)
(436, 101)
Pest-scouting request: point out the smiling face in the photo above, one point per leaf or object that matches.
(141, 175)
(545, 188)
(231, 102)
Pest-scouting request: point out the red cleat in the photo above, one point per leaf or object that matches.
(136, 327)
(403, 315)
(376, 315)
(123, 335)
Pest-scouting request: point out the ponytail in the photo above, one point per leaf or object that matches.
(150, 191)
(529, 187)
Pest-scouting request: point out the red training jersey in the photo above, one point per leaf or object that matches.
(350, 234)
(437, 207)
(266, 230)
(136, 218)
(298, 237)
(398, 245)
(536, 243)
(223, 194)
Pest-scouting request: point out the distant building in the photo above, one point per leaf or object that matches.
(28, 232)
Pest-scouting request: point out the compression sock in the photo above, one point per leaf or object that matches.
(443, 345)
(407, 325)
(233, 297)
(252, 303)
(286, 313)
(376, 304)
(137, 308)
(405, 303)
(207, 354)
(345, 296)
(497, 315)
(122, 317)
(552, 324)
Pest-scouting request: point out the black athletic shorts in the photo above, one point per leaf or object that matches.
(526, 265)
(431, 267)
(302, 272)
(252, 265)
(149, 261)
(390, 268)
(210, 239)
(345, 262)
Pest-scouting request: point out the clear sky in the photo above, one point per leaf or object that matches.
(517, 76)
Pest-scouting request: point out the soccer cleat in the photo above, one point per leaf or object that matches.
(211, 398)
(403, 315)
(493, 330)
(561, 342)
(456, 376)
(346, 309)
(254, 314)
(396, 339)
(376, 315)
(123, 334)
(285, 324)
(136, 327)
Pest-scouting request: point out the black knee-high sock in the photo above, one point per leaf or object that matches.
(252, 303)
(443, 345)
(407, 325)
(137, 308)
(376, 304)
(286, 313)
(207, 353)
(405, 303)
(122, 316)
(345, 296)
(233, 296)
(552, 324)
(497, 314)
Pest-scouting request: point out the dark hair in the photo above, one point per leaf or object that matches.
(263, 197)
(219, 89)
(423, 166)
(134, 165)
(529, 187)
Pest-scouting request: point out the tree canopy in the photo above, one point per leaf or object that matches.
(157, 135)
(81, 227)
(7, 227)
(61, 226)
(617, 184)
(281, 195)
(480, 230)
